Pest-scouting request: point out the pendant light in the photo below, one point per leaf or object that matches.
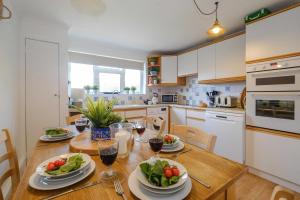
(216, 29)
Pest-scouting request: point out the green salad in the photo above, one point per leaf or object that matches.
(161, 173)
(56, 131)
(64, 166)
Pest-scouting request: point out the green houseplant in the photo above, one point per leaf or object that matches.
(133, 89)
(126, 90)
(101, 115)
(87, 88)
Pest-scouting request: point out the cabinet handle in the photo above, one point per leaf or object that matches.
(222, 117)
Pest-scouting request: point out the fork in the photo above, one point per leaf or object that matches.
(119, 189)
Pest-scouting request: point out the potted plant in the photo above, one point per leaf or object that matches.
(87, 88)
(126, 90)
(133, 89)
(101, 115)
(95, 88)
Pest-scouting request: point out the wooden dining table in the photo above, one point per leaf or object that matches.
(218, 172)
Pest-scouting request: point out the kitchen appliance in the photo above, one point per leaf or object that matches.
(161, 112)
(155, 98)
(169, 98)
(211, 97)
(230, 131)
(273, 95)
(226, 101)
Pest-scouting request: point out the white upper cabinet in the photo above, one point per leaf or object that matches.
(230, 57)
(169, 69)
(187, 63)
(273, 36)
(206, 63)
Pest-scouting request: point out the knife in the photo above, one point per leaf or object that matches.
(200, 181)
(90, 184)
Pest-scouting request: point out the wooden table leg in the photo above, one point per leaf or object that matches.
(230, 193)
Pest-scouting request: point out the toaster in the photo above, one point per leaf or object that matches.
(226, 101)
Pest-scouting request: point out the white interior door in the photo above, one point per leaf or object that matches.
(42, 89)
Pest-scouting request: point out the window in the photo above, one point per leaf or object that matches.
(81, 75)
(109, 79)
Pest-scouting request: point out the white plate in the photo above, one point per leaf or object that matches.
(54, 180)
(138, 190)
(35, 180)
(45, 138)
(41, 168)
(171, 145)
(141, 177)
(178, 148)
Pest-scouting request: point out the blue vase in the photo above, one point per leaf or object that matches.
(100, 133)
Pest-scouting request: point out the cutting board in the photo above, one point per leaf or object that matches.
(83, 143)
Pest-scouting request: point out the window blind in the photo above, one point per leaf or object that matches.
(89, 59)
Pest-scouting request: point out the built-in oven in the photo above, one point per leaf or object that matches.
(283, 75)
(274, 110)
(168, 98)
(273, 95)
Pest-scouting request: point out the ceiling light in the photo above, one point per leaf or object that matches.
(216, 29)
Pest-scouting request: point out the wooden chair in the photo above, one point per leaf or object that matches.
(11, 156)
(194, 136)
(71, 119)
(280, 193)
(155, 123)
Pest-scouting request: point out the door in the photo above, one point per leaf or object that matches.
(230, 57)
(187, 63)
(178, 116)
(42, 89)
(207, 63)
(169, 69)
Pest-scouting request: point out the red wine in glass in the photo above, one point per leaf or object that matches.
(156, 144)
(140, 130)
(108, 155)
(80, 127)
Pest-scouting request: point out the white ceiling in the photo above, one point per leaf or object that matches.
(148, 25)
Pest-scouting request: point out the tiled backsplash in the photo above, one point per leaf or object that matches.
(195, 93)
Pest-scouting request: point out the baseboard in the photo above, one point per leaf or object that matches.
(275, 179)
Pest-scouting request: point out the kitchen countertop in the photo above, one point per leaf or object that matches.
(144, 106)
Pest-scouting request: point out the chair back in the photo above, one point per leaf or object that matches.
(194, 136)
(71, 119)
(155, 123)
(11, 157)
(281, 193)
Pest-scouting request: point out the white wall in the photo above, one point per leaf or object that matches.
(9, 78)
(83, 45)
(44, 30)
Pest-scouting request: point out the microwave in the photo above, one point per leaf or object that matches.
(169, 98)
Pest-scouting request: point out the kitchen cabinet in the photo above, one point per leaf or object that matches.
(230, 57)
(274, 154)
(135, 115)
(187, 63)
(169, 69)
(207, 63)
(274, 36)
(196, 118)
(178, 116)
(224, 60)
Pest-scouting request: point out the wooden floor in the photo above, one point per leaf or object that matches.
(251, 187)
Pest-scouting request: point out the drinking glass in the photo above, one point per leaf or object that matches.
(156, 144)
(140, 129)
(81, 124)
(108, 151)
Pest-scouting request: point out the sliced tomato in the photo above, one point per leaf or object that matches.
(175, 172)
(51, 166)
(168, 173)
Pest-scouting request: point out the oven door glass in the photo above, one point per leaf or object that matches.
(167, 98)
(282, 109)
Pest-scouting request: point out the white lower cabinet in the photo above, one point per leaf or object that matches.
(274, 154)
(178, 116)
(196, 118)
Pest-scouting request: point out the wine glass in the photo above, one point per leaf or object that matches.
(108, 151)
(156, 144)
(80, 124)
(140, 129)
